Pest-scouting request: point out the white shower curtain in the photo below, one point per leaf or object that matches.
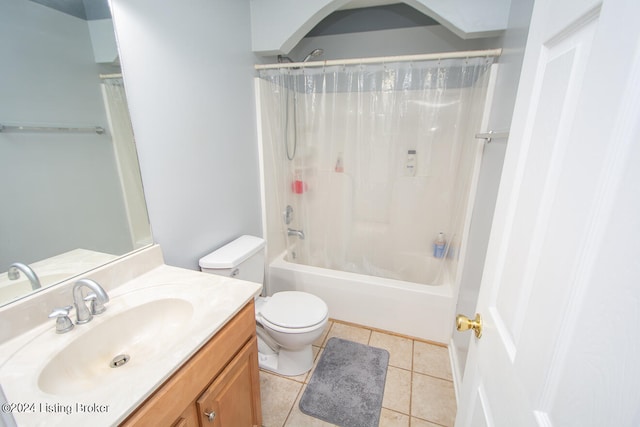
(127, 160)
(375, 161)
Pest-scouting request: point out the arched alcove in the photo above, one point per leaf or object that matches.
(278, 25)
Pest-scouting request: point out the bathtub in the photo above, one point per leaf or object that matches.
(416, 310)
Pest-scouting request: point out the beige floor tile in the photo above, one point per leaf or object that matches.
(348, 332)
(320, 341)
(278, 395)
(304, 378)
(433, 399)
(393, 419)
(417, 422)
(422, 398)
(432, 360)
(315, 363)
(397, 390)
(298, 419)
(400, 349)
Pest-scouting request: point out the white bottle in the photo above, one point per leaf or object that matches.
(439, 245)
(410, 165)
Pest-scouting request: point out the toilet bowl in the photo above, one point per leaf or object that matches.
(287, 322)
(293, 320)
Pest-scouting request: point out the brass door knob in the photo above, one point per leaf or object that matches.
(463, 323)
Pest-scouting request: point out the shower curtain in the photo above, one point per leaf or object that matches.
(126, 160)
(375, 161)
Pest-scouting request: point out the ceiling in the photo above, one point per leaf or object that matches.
(356, 16)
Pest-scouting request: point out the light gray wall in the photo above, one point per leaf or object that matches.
(188, 73)
(402, 41)
(507, 80)
(59, 191)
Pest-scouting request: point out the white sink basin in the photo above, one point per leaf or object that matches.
(138, 335)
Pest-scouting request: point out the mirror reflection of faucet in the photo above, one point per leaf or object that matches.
(292, 232)
(17, 267)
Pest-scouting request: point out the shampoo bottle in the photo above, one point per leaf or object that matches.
(298, 186)
(439, 245)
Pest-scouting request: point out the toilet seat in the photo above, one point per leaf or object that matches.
(293, 311)
(290, 331)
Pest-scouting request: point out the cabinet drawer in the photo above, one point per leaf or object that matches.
(173, 397)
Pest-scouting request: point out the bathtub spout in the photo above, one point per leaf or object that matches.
(292, 232)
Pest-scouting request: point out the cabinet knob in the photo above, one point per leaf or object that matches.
(210, 416)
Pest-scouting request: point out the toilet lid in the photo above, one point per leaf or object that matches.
(292, 309)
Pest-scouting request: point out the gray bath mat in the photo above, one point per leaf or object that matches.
(347, 386)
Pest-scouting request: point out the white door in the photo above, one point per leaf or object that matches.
(560, 297)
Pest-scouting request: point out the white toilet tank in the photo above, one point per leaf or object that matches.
(242, 258)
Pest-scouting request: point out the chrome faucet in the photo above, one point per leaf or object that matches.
(292, 232)
(17, 267)
(98, 298)
(63, 322)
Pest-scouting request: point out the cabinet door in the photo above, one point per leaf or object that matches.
(188, 418)
(233, 399)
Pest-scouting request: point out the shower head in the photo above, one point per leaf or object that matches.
(282, 58)
(313, 53)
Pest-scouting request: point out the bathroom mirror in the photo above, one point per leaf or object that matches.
(71, 191)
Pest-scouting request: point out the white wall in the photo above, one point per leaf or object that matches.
(49, 77)
(105, 48)
(188, 73)
(489, 179)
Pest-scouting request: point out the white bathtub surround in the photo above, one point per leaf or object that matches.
(29, 341)
(375, 161)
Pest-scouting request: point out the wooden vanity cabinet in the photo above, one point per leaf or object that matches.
(219, 386)
(228, 402)
(188, 418)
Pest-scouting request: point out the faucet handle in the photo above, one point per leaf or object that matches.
(63, 322)
(96, 306)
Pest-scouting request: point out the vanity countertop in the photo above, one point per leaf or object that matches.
(38, 395)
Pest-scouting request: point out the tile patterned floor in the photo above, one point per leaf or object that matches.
(418, 390)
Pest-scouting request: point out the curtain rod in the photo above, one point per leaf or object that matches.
(20, 128)
(383, 59)
(111, 76)
(492, 134)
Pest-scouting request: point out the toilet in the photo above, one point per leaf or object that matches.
(287, 322)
